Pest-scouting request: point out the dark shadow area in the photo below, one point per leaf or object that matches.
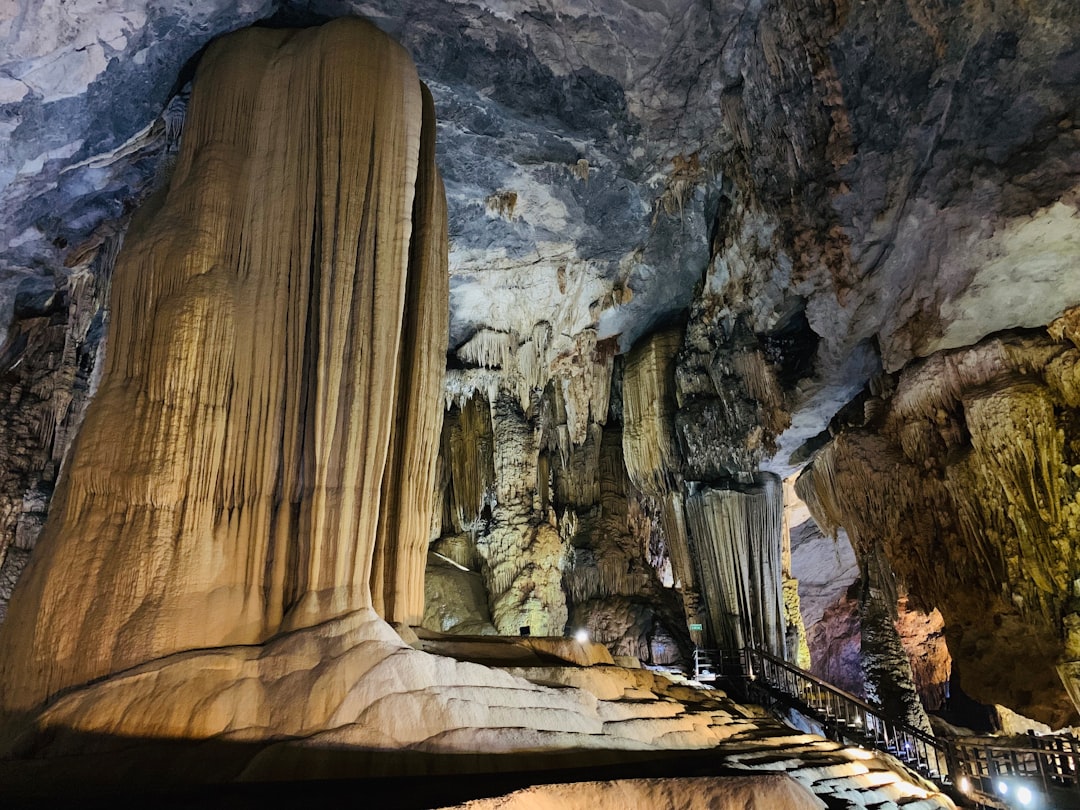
(100, 771)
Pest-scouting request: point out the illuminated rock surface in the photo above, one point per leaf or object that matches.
(693, 230)
(963, 470)
(749, 793)
(227, 481)
(339, 699)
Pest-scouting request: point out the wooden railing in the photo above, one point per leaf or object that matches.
(846, 717)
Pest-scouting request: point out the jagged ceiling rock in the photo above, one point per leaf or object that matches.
(902, 172)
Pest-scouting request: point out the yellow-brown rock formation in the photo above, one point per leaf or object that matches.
(964, 469)
(267, 421)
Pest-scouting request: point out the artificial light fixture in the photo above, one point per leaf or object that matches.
(1003, 788)
(1024, 795)
(965, 784)
(581, 636)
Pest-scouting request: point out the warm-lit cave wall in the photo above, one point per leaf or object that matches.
(582, 504)
(847, 185)
(960, 473)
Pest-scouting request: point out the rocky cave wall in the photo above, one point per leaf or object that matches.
(959, 473)
(823, 189)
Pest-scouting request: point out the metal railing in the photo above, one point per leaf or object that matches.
(846, 717)
(993, 771)
(1003, 768)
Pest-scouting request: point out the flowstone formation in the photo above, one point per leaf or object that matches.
(260, 454)
(961, 474)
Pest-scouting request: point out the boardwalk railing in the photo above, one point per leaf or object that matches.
(846, 717)
(993, 771)
(1014, 769)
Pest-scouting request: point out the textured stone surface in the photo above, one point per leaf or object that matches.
(311, 703)
(455, 599)
(744, 793)
(963, 470)
(826, 187)
(226, 483)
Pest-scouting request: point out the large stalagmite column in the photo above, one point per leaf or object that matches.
(230, 476)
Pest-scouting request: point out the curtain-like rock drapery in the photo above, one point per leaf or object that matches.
(276, 323)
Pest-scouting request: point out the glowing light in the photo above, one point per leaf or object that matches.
(860, 753)
(582, 636)
(965, 784)
(1003, 788)
(1023, 795)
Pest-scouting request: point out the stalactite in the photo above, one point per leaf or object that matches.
(648, 400)
(469, 452)
(673, 518)
(736, 539)
(532, 364)
(226, 482)
(489, 349)
(580, 478)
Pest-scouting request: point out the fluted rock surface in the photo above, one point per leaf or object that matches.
(963, 467)
(228, 480)
(649, 447)
(736, 539)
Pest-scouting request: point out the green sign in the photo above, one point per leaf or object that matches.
(695, 627)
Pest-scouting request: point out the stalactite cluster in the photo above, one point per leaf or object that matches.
(725, 538)
(468, 451)
(735, 537)
(963, 467)
(231, 476)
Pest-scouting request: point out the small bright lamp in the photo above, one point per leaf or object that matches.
(1023, 795)
(581, 636)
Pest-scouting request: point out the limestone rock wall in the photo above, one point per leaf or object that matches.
(226, 483)
(962, 467)
(614, 580)
(49, 368)
(524, 553)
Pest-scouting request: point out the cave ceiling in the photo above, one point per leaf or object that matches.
(899, 177)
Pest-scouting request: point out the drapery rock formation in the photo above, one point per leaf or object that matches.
(277, 319)
(960, 473)
(815, 190)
